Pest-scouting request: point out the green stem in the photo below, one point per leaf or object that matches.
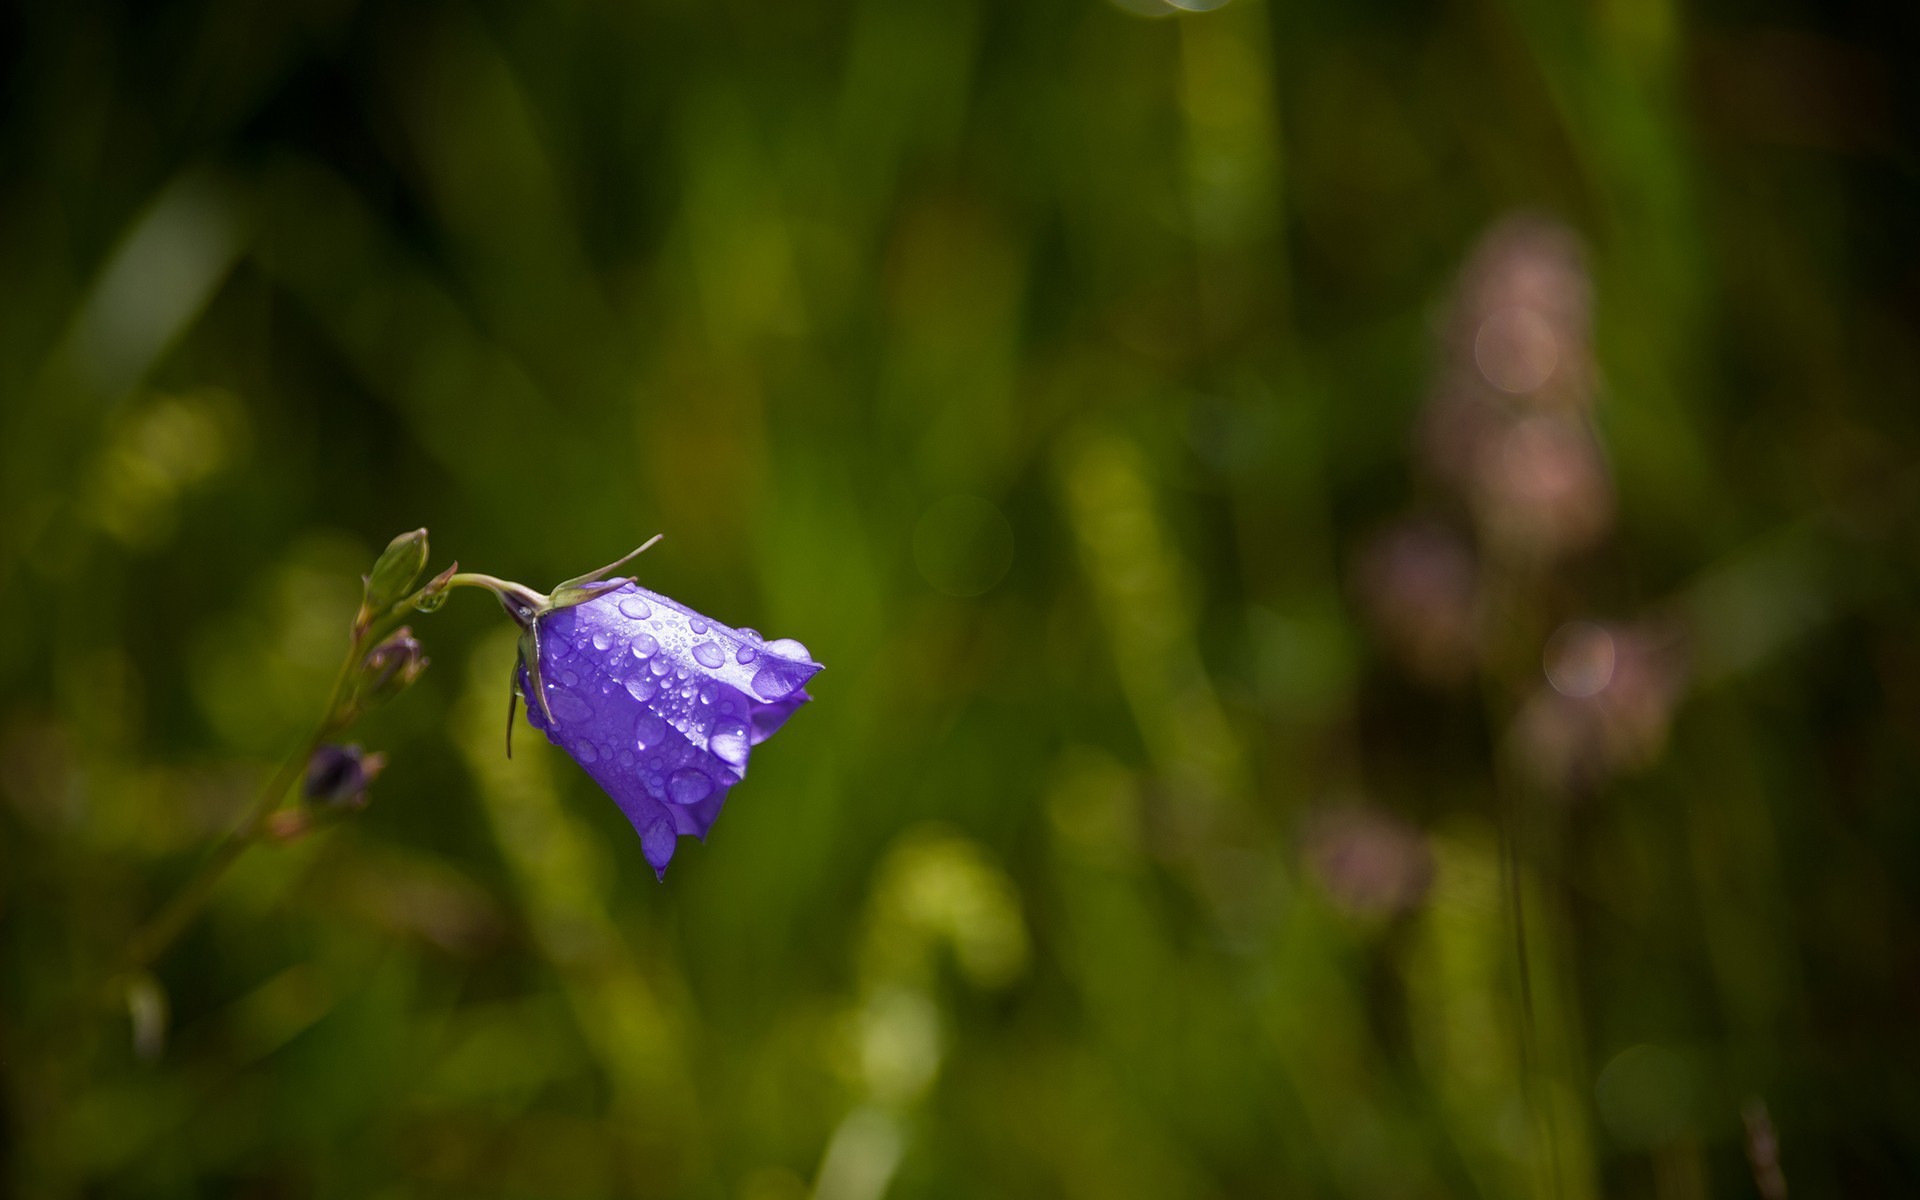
(165, 926)
(502, 588)
(160, 932)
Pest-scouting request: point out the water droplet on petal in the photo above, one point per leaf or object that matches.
(567, 707)
(708, 655)
(696, 624)
(788, 648)
(728, 742)
(752, 633)
(644, 645)
(689, 786)
(601, 641)
(636, 608)
(657, 843)
(745, 655)
(659, 666)
(648, 731)
(770, 682)
(643, 686)
(570, 679)
(586, 753)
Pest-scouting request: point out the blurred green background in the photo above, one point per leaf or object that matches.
(1365, 556)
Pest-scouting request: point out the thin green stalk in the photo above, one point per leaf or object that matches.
(164, 927)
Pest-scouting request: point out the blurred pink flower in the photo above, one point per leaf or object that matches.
(1369, 863)
(1506, 424)
(1417, 583)
(1607, 705)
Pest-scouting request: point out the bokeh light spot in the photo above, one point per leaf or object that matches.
(1579, 659)
(1516, 350)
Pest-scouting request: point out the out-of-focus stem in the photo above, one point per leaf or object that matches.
(153, 938)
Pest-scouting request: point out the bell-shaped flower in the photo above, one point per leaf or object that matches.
(660, 705)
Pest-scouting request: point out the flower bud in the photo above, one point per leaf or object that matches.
(392, 577)
(390, 668)
(337, 776)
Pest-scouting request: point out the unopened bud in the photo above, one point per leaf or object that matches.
(337, 776)
(391, 667)
(392, 577)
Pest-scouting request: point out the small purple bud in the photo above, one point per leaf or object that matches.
(390, 668)
(661, 706)
(337, 776)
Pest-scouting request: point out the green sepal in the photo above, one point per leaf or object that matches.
(513, 702)
(583, 588)
(568, 595)
(530, 658)
(434, 594)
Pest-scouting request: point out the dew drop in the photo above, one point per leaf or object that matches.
(644, 645)
(586, 753)
(635, 607)
(659, 666)
(745, 654)
(788, 648)
(601, 641)
(772, 683)
(728, 742)
(656, 762)
(752, 633)
(689, 786)
(643, 686)
(626, 758)
(649, 730)
(570, 678)
(708, 655)
(696, 624)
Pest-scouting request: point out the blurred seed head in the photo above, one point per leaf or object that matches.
(1368, 862)
(1417, 582)
(1607, 707)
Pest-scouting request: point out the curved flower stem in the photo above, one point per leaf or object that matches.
(528, 600)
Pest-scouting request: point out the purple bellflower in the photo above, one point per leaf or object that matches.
(658, 704)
